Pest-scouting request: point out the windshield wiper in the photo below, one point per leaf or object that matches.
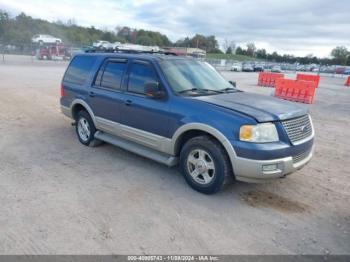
(199, 90)
(229, 89)
(188, 90)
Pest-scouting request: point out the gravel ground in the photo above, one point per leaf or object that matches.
(59, 197)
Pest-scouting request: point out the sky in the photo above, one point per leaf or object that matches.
(298, 27)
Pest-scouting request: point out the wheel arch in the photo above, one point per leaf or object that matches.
(188, 131)
(78, 105)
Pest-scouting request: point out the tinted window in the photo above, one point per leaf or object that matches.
(99, 77)
(139, 74)
(185, 74)
(112, 75)
(79, 69)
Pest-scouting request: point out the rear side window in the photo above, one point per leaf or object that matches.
(112, 75)
(79, 69)
(139, 74)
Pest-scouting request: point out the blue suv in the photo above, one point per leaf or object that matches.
(180, 111)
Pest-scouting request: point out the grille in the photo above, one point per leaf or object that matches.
(301, 156)
(298, 128)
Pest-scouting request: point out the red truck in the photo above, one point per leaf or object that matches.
(53, 52)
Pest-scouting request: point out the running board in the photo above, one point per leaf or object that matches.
(137, 149)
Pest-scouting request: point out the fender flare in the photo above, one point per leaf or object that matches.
(85, 105)
(208, 129)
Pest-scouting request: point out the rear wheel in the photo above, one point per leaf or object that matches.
(85, 129)
(205, 165)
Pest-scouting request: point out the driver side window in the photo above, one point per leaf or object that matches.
(140, 74)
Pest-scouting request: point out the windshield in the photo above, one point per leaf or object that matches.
(183, 75)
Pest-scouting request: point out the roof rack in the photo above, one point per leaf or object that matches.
(127, 51)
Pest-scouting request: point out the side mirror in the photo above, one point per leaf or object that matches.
(232, 83)
(152, 90)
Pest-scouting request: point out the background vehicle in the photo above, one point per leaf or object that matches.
(46, 39)
(300, 68)
(247, 67)
(53, 52)
(106, 45)
(100, 43)
(346, 71)
(258, 68)
(237, 67)
(340, 70)
(276, 69)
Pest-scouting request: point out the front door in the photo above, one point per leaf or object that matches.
(145, 120)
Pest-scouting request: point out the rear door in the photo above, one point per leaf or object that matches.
(105, 95)
(76, 79)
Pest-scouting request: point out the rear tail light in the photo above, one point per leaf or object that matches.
(62, 91)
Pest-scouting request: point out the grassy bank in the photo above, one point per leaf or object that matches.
(232, 57)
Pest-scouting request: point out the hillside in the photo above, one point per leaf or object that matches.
(20, 29)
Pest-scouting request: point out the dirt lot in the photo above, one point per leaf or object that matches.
(59, 197)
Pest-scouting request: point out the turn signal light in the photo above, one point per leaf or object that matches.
(246, 133)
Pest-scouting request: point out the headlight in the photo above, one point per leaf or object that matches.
(260, 133)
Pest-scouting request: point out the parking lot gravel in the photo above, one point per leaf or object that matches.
(60, 197)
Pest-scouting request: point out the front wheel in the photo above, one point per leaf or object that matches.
(205, 164)
(85, 129)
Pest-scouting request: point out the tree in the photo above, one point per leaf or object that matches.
(340, 54)
(71, 22)
(207, 43)
(144, 40)
(142, 37)
(229, 44)
(4, 20)
(240, 51)
(229, 50)
(275, 56)
(251, 49)
(261, 53)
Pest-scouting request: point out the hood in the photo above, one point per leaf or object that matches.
(262, 108)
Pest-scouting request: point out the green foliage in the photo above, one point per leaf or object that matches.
(208, 43)
(229, 50)
(251, 49)
(20, 29)
(261, 54)
(241, 51)
(142, 37)
(340, 54)
(231, 57)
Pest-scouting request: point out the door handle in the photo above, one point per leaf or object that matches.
(128, 102)
(92, 94)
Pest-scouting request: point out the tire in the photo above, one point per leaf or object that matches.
(85, 129)
(208, 162)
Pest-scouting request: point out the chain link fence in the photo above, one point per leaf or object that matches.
(19, 52)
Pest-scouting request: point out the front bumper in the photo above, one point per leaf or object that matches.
(250, 170)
